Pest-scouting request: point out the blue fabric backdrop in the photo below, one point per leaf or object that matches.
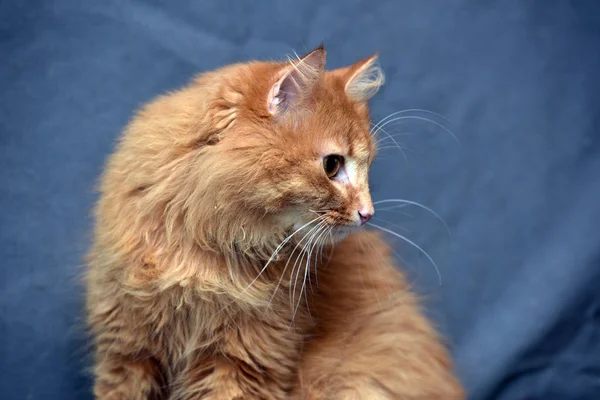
(519, 299)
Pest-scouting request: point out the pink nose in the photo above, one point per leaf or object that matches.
(364, 217)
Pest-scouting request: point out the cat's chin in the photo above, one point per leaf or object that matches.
(340, 233)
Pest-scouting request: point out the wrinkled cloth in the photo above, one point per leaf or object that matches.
(514, 172)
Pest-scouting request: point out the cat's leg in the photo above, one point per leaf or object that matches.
(227, 378)
(124, 368)
(256, 359)
(373, 341)
(122, 377)
(209, 378)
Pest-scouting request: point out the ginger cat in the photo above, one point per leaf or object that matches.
(228, 261)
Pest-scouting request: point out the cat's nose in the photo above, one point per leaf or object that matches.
(364, 216)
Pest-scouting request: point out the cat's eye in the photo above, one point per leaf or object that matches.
(332, 165)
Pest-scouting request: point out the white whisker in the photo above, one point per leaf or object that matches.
(315, 244)
(394, 211)
(324, 241)
(397, 145)
(405, 149)
(410, 110)
(307, 271)
(399, 236)
(382, 139)
(277, 249)
(392, 224)
(319, 211)
(414, 203)
(420, 119)
(283, 272)
(393, 207)
(428, 112)
(315, 229)
(320, 253)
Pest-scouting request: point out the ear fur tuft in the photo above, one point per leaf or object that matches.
(297, 81)
(364, 80)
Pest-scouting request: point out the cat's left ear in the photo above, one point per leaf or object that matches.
(296, 81)
(363, 79)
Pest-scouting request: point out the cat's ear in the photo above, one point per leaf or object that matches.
(363, 79)
(296, 81)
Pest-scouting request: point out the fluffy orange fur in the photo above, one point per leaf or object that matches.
(227, 264)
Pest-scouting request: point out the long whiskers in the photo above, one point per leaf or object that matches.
(397, 144)
(307, 234)
(414, 203)
(307, 269)
(383, 139)
(306, 272)
(391, 224)
(379, 128)
(414, 110)
(278, 249)
(404, 238)
(320, 254)
(300, 258)
(316, 245)
(397, 116)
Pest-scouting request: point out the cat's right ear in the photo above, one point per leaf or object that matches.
(296, 81)
(363, 79)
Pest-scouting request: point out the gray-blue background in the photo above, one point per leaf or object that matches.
(520, 294)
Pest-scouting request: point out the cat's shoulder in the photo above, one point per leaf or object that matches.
(364, 242)
(362, 251)
(360, 273)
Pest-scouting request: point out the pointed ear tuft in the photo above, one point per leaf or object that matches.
(364, 79)
(296, 81)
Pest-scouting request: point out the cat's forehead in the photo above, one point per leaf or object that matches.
(332, 124)
(346, 133)
(350, 144)
(332, 133)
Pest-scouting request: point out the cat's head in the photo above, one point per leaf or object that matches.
(250, 153)
(295, 146)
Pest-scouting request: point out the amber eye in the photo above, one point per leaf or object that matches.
(332, 165)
